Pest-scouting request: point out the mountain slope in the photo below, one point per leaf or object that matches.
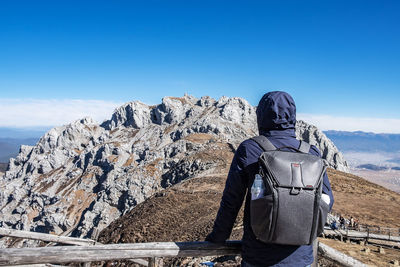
(370, 203)
(186, 211)
(193, 204)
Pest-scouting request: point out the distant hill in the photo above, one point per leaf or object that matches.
(364, 142)
(11, 140)
(9, 147)
(22, 133)
(3, 167)
(363, 150)
(372, 167)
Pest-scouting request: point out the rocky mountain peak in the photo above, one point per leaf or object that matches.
(82, 176)
(133, 114)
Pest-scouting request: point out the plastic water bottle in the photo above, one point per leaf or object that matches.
(257, 189)
(326, 198)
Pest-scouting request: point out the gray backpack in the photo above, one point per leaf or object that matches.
(290, 211)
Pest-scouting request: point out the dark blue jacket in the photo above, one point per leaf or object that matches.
(276, 117)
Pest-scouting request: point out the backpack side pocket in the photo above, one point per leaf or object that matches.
(261, 211)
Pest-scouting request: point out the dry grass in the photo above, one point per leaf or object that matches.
(129, 161)
(169, 128)
(181, 99)
(151, 167)
(114, 130)
(112, 158)
(368, 202)
(43, 182)
(80, 201)
(32, 214)
(199, 138)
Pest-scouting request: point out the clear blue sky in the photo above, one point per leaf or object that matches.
(341, 56)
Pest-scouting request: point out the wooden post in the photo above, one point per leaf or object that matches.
(152, 262)
(155, 262)
(160, 262)
(315, 253)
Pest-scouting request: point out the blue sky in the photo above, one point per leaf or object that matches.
(339, 59)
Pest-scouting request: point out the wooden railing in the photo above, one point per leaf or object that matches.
(357, 235)
(92, 251)
(372, 229)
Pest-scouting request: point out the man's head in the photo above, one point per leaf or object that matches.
(276, 111)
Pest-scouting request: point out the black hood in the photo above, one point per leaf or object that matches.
(276, 111)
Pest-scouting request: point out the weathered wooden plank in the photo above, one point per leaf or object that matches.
(339, 257)
(114, 252)
(46, 237)
(42, 265)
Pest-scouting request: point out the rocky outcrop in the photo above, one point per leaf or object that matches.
(329, 151)
(80, 177)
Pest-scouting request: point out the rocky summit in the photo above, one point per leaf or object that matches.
(82, 176)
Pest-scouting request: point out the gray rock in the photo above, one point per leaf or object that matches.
(134, 114)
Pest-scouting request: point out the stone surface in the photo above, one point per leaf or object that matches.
(82, 176)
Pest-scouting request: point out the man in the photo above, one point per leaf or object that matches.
(276, 118)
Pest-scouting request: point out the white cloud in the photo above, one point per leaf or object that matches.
(328, 122)
(52, 112)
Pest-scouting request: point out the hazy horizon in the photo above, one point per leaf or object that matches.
(45, 114)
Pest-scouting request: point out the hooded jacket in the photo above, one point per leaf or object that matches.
(276, 118)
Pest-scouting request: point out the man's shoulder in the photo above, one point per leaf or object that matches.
(315, 151)
(249, 145)
(248, 152)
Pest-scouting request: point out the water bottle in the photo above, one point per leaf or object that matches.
(326, 198)
(257, 189)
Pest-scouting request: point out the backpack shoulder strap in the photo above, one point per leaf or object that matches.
(264, 143)
(304, 147)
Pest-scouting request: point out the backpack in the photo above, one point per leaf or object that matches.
(290, 210)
